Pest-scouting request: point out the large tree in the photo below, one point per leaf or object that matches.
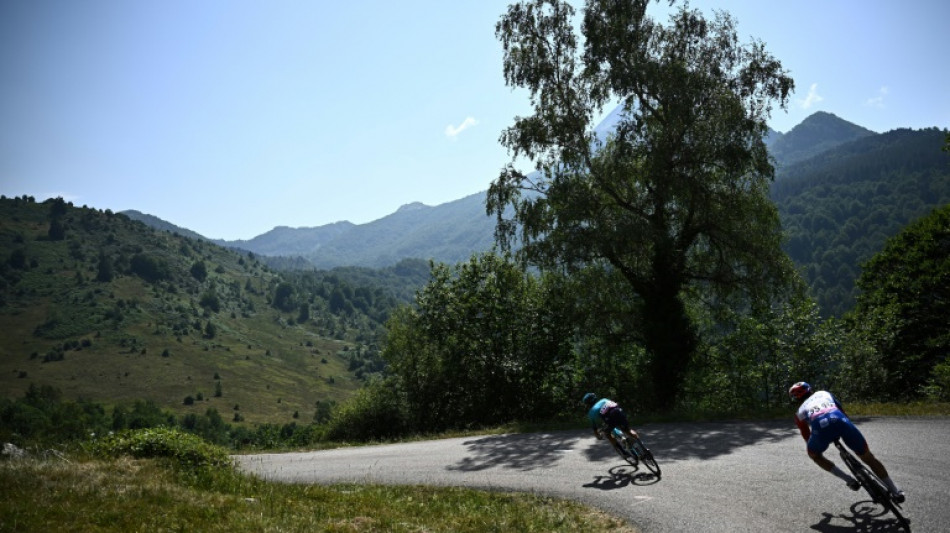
(675, 198)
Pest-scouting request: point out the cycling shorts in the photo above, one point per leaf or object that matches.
(616, 418)
(827, 429)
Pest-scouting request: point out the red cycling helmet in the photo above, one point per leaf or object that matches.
(800, 390)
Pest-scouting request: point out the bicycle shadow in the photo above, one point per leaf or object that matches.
(517, 451)
(865, 517)
(622, 476)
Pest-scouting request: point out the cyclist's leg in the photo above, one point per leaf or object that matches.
(618, 418)
(852, 436)
(855, 440)
(630, 431)
(818, 442)
(821, 460)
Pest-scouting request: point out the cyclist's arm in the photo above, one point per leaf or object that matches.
(803, 427)
(600, 427)
(595, 426)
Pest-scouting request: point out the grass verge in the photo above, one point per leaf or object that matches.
(127, 494)
(899, 409)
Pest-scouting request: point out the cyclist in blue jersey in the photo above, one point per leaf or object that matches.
(605, 415)
(821, 420)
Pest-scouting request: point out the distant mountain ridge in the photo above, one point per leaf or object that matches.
(287, 241)
(453, 231)
(449, 233)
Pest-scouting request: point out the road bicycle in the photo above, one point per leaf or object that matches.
(633, 451)
(872, 484)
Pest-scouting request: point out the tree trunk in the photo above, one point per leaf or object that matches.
(669, 338)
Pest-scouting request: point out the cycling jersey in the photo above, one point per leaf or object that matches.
(821, 420)
(607, 413)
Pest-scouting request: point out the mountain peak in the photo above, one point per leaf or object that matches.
(819, 132)
(414, 206)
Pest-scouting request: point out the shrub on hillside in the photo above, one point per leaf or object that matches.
(182, 448)
(150, 268)
(375, 412)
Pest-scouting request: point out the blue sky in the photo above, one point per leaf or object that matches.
(231, 117)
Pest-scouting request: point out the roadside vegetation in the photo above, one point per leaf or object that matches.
(165, 480)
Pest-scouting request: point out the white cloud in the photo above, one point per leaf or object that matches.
(453, 131)
(877, 101)
(812, 98)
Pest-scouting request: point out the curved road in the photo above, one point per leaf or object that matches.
(728, 477)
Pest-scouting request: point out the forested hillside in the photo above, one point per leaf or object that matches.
(839, 208)
(97, 306)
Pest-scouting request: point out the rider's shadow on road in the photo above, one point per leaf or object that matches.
(698, 440)
(520, 451)
(669, 442)
(865, 517)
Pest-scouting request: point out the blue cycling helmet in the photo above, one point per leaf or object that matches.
(590, 399)
(799, 391)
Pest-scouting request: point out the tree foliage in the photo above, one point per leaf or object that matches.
(149, 267)
(750, 359)
(481, 346)
(104, 269)
(284, 297)
(199, 270)
(909, 280)
(676, 196)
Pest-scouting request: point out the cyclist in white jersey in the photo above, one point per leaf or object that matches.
(821, 420)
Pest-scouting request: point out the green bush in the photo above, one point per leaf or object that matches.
(375, 412)
(182, 448)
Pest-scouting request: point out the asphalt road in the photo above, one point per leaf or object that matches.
(716, 477)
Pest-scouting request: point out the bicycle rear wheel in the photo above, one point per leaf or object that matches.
(647, 457)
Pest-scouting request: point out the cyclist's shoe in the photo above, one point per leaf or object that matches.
(854, 485)
(898, 496)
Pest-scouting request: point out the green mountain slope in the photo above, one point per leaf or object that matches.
(839, 208)
(110, 310)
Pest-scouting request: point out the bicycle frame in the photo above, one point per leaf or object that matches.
(633, 451)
